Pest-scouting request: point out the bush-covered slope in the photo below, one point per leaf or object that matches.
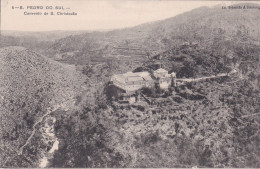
(212, 123)
(205, 26)
(29, 85)
(218, 129)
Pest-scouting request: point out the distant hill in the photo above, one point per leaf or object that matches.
(38, 41)
(29, 85)
(208, 27)
(219, 129)
(43, 36)
(29, 42)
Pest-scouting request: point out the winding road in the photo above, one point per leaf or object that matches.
(207, 77)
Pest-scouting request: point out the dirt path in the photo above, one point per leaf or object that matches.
(20, 152)
(49, 111)
(207, 77)
(250, 115)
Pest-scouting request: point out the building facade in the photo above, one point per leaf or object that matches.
(131, 82)
(164, 79)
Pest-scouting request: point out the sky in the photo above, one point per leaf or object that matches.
(93, 15)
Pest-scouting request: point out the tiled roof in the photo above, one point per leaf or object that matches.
(147, 78)
(145, 75)
(130, 76)
(119, 77)
(134, 78)
(161, 71)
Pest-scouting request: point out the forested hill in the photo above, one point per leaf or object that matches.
(210, 123)
(206, 26)
(29, 85)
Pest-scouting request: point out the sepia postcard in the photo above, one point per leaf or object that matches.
(129, 84)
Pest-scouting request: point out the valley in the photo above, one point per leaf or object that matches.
(57, 107)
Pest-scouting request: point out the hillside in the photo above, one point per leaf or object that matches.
(208, 27)
(30, 84)
(38, 41)
(29, 42)
(212, 123)
(43, 36)
(208, 123)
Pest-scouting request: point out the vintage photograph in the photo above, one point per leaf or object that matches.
(129, 84)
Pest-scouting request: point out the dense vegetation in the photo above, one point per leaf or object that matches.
(204, 25)
(30, 84)
(211, 123)
(208, 124)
